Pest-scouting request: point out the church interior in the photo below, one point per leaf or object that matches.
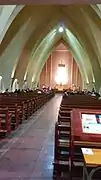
(50, 90)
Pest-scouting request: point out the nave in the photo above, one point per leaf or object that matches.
(27, 153)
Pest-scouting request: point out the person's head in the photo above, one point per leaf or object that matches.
(6, 90)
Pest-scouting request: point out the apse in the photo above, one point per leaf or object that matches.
(60, 70)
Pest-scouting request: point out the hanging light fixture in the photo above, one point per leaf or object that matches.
(61, 75)
(61, 29)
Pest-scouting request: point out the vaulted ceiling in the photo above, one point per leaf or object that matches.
(28, 34)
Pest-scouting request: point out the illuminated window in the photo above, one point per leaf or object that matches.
(61, 75)
(0, 83)
(15, 85)
(0, 77)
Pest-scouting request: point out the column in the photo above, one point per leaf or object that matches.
(46, 74)
(51, 71)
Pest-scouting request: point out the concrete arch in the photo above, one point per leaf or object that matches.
(7, 16)
(50, 47)
(16, 44)
(31, 47)
(45, 59)
(19, 39)
(85, 38)
(40, 52)
(8, 62)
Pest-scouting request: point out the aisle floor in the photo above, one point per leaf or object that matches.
(27, 154)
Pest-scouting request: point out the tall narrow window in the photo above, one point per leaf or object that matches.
(61, 75)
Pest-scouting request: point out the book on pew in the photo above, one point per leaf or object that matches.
(87, 151)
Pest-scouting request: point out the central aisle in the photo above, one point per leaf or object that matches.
(28, 153)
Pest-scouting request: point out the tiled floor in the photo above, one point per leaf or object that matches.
(27, 154)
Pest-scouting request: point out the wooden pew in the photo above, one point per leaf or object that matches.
(61, 152)
(64, 116)
(5, 121)
(62, 144)
(16, 106)
(15, 111)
